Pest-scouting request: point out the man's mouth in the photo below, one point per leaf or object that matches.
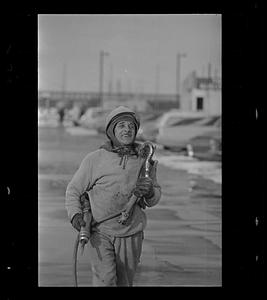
(127, 135)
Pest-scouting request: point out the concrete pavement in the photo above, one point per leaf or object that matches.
(182, 244)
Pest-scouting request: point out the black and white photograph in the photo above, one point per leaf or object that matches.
(129, 150)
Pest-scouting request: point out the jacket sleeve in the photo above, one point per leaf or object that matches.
(81, 181)
(157, 189)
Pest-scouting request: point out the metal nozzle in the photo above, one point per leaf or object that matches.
(84, 236)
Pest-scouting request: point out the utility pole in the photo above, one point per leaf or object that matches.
(203, 71)
(209, 70)
(111, 80)
(101, 75)
(64, 74)
(157, 80)
(118, 87)
(178, 74)
(129, 86)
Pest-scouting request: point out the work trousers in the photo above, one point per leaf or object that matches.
(114, 259)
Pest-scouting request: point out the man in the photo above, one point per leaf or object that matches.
(111, 175)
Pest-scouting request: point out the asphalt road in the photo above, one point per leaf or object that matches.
(182, 245)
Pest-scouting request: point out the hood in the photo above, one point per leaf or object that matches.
(121, 110)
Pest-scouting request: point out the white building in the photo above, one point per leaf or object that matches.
(201, 94)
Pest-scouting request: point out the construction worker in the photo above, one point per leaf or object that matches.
(111, 175)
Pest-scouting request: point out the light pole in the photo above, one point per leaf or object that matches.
(157, 80)
(101, 75)
(178, 74)
(64, 73)
(110, 85)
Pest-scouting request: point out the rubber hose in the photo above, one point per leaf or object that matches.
(75, 250)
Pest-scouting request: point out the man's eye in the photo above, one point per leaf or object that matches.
(131, 126)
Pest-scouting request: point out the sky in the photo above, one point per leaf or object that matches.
(141, 51)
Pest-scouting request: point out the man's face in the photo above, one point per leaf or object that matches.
(125, 132)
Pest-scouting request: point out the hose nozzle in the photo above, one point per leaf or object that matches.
(84, 237)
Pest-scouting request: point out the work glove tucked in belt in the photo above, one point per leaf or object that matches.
(144, 188)
(77, 221)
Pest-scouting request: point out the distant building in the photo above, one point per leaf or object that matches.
(201, 94)
(163, 105)
(68, 99)
(138, 102)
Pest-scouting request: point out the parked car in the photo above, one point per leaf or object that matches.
(150, 129)
(206, 146)
(48, 117)
(94, 118)
(188, 128)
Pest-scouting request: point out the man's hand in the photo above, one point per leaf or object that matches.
(144, 188)
(77, 221)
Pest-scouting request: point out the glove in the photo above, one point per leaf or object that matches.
(144, 188)
(77, 221)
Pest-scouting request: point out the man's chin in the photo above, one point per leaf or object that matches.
(126, 141)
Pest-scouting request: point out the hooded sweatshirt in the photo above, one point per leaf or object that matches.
(110, 185)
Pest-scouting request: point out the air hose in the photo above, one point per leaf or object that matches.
(75, 250)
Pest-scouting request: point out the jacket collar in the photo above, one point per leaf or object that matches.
(132, 149)
(123, 151)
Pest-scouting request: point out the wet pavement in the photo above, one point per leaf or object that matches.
(182, 245)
